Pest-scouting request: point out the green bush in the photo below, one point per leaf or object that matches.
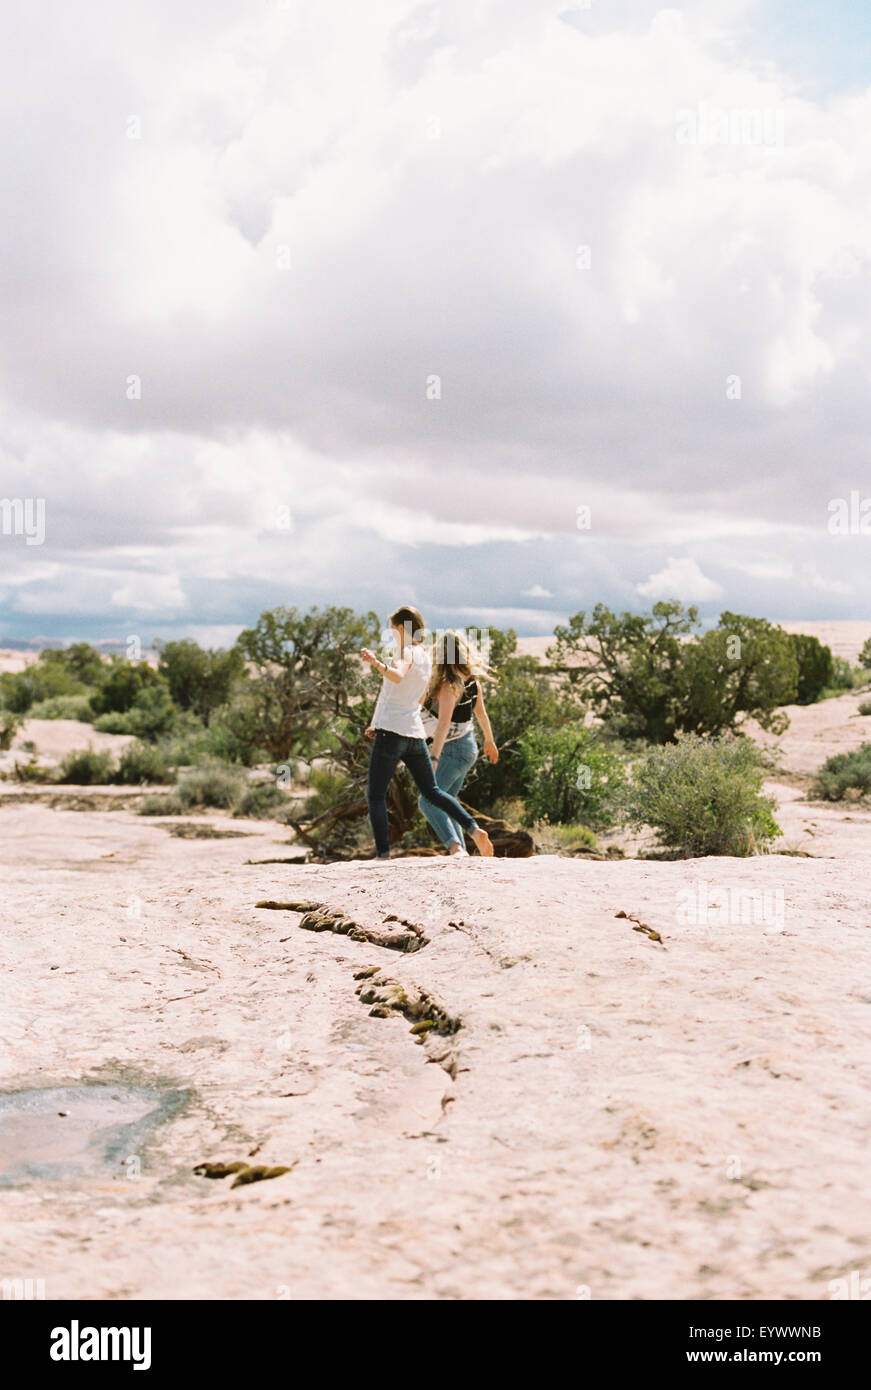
(142, 764)
(865, 707)
(214, 784)
(160, 804)
(816, 667)
(703, 796)
(845, 772)
(327, 787)
(32, 771)
(843, 677)
(40, 680)
(151, 714)
(85, 767)
(10, 723)
(263, 801)
(649, 676)
(200, 680)
(114, 723)
(570, 776)
(63, 707)
(190, 743)
(564, 839)
(122, 683)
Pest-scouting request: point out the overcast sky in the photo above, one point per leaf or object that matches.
(360, 303)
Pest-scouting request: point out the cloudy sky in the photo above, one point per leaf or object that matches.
(496, 306)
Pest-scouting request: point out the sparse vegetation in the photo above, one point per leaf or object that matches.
(292, 688)
(161, 804)
(213, 784)
(263, 801)
(141, 764)
(76, 707)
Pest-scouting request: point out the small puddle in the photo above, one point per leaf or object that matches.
(81, 1131)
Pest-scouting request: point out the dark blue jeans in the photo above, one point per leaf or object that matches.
(388, 751)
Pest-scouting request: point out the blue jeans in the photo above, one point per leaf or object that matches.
(456, 762)
(388, 751)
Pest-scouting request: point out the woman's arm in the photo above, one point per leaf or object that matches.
(483, 718)
(447, 704)
(395, 673)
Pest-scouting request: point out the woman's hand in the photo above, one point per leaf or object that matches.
(490, 750)
(368, 656)
(369, 733)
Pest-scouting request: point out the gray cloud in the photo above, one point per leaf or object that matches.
(434, 173)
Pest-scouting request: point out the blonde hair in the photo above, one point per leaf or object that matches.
(454, 661)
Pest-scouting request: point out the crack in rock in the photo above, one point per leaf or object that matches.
(321, 917)
(429, 1021)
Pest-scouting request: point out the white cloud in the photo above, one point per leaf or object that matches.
(680, 579)
(149, 593)
(432, 172)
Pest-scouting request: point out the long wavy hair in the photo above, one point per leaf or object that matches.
(454, 660)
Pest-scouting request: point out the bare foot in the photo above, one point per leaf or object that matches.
(483, 842)
(458, 849)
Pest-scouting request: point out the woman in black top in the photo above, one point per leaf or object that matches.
(453, 696)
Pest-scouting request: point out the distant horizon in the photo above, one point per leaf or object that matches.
(148, 643)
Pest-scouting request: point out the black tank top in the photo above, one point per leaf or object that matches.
(461, 717)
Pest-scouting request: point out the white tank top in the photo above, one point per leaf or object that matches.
(398, 705)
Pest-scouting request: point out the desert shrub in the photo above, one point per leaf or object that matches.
(327, 786)
(123, 681)
(10, 723)
(32, 771)
(865, 654)
(63, 707)
(213, 784)
(816, 667)
(151, 714)
(845, 772)
(564, 839)
(570, 776)
(222, 742)
(141, 764)
(843, 676)
(703, 796)
(114, 723)
(40, 680)
(189, 743)
(200, 680)
(511, 809)
(263, 801)
(865, 707)
(160, 804)
(85, 767)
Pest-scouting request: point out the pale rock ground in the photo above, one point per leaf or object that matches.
(628, 1119)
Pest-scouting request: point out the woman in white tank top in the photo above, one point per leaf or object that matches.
(398, 735)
